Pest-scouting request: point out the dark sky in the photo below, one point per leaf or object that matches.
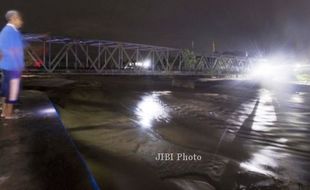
(252, 25)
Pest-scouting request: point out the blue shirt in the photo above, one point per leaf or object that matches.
(12, 49)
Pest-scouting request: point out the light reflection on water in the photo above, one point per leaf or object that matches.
(297, 98)
(264, 118)
(265, 114)
(47, 111)
(262, 160)
(272, 160)
(151, 109)
(282, 140)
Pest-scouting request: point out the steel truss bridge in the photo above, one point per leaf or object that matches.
(68, 55)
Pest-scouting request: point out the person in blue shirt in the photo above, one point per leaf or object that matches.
(11, 62)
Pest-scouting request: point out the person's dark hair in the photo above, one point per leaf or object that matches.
(10, 14)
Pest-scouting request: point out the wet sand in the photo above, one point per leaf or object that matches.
(247, 136)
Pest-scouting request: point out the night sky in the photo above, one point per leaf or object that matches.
(247, 25)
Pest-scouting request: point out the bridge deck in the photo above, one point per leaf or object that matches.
(36, 152)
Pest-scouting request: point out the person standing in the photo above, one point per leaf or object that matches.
(11, 62)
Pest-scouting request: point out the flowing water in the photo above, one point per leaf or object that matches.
(243, 136)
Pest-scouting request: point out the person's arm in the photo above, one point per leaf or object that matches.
(2, 44)
(1, 48)
(25, 42)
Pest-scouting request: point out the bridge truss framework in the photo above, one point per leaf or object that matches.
(66, 55)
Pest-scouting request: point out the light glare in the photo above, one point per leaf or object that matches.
(150, 109)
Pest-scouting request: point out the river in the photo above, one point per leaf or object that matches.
(228, 134)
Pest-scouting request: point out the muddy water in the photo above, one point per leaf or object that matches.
(228, 135)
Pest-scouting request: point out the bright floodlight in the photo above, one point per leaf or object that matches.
(263, 69)
(271, 70)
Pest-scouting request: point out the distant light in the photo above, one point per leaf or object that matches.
(146, 64)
